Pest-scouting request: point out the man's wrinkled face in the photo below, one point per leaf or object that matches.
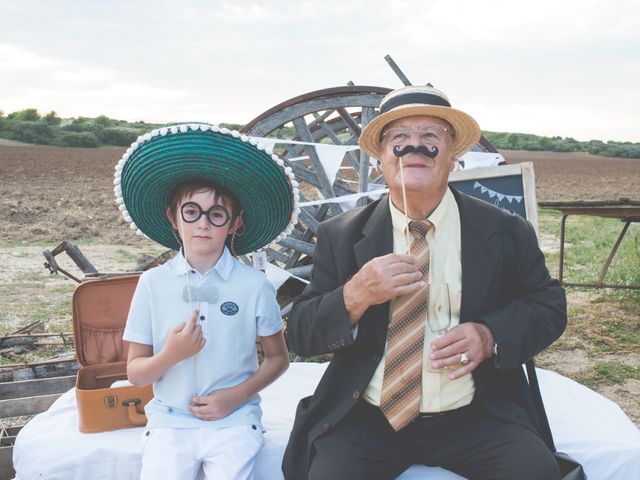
(422, 171)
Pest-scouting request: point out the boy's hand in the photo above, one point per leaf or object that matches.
(217, 404)
(185, 339)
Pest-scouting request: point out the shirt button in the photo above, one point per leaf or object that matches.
(201, 317)
(147, 433)
(356, 395)
(193, 271)
(326, 426)
(170, 410)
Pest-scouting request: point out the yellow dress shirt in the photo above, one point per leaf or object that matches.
(438, 392)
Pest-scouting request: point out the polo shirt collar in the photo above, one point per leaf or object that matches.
(180, 266)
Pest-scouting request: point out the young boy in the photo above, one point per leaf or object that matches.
(193, 321)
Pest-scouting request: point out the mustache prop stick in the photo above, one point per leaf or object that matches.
(401, 152)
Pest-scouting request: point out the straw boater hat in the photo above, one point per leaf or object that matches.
(419, 100)
(149, 170)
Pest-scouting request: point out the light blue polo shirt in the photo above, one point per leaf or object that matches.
(244, 306)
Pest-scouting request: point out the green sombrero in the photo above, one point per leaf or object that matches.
(149, 170)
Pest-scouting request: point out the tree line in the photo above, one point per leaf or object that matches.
(526, 141)
(30, 126)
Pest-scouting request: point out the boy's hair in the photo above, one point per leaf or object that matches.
(187, 188)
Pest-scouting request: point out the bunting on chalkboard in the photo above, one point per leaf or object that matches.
(493, 194)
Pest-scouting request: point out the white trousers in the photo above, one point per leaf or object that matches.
(179, 453)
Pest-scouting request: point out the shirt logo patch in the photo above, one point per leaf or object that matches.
(229, 308)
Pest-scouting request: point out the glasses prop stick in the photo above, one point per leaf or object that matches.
(188, 288)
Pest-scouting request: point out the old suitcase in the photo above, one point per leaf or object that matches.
(100, 309)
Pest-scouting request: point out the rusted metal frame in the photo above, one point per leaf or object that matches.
(600, 283)
(368, 114)
(27, 328)
(341, 96)
(74, 253)
(62, 335)
(326, 186)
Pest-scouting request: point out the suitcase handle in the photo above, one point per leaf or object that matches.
(135, 417)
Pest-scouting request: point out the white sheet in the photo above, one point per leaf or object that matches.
(585, 425)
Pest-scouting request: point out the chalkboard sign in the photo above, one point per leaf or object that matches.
(511, 187)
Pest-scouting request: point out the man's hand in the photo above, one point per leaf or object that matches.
(473, 339)
(380, 280)
(217, 404)
(185, 339)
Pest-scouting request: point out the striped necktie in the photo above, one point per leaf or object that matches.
(402, 381)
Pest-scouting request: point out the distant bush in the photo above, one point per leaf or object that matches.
(51, 118)
(103, 122)
(79, 139)
(31, 132)
(120, 137)
(81, 125)
(26, 115)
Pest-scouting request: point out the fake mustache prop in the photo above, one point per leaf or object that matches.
(422, 149)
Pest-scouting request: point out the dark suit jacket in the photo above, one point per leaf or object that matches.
(522, 306)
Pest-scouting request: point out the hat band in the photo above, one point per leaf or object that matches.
(412, 98)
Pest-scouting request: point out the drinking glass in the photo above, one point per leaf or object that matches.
(438, 308)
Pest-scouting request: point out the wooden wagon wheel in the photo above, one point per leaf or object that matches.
(333, 116)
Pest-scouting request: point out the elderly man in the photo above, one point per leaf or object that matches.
(397, 393)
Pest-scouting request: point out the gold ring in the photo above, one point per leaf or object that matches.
(464, 359)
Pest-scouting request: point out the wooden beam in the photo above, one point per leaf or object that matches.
(16, 407)
(6, 462)
(394, 66)
(325, 185)
(351, 123)
(302, 272)
(328, 131)
(39, 386)
(298, 245)
(368, 113)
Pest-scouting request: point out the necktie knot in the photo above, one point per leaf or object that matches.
(419, 229)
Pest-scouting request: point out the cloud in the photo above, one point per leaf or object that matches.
(232, 60)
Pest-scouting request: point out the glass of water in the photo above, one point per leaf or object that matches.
(438, 308)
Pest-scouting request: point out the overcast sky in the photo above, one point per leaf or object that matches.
(549, 67)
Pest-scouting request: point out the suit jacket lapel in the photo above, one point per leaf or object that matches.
(481, 247)
(377, 240)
